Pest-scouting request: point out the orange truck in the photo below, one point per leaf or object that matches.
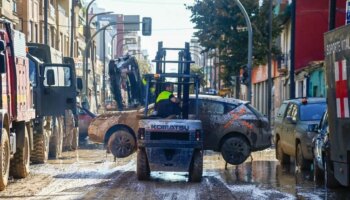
(16, 106)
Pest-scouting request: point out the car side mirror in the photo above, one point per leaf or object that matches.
(50, 76)
(2, 63)
(79, 83)
(312, 128)
(2, 45)
(290, 120)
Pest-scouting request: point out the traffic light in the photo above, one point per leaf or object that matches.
(245, 76)
(146, 26)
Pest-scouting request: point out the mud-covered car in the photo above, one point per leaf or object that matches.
(232, 127)
(292, 124)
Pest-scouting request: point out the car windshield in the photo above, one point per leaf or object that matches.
(310, 112)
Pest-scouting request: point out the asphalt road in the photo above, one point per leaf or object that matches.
(90, 173)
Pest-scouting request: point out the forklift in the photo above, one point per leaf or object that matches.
(171, 144)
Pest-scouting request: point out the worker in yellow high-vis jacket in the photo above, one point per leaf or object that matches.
(166, 103)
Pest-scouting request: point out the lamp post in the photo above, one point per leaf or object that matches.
(85, 59)
(112, 40)
(250, 47)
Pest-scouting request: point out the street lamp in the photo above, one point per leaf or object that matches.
(112, 40)
(85, 59)
(250, 47)
(97, 14)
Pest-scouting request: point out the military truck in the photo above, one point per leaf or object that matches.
(51, 131)
(337, 62)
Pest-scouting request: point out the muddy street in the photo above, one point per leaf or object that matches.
(90, 173)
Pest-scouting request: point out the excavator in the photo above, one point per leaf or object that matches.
(125, 82)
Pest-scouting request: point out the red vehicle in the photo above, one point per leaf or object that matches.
(85, 117)
(16, 106)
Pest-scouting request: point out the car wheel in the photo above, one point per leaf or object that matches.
(235, 150)
(318, 173)
(300, 161)
(121, 144)
(280, 155)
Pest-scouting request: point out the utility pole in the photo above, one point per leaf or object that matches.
(292, 54)
(46, 10)
(72, 30)
(104, 67)
(332, 14)
(269, 67)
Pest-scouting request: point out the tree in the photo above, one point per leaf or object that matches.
(221, 26)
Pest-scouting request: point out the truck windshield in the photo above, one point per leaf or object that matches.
(310, 112)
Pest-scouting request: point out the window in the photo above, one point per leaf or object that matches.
(211, 107)
(310, 112)
(282, 110)
(292, 111)
(61, 76)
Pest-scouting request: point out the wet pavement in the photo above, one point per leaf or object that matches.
(90, 173)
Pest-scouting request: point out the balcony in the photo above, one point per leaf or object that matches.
(283, 63)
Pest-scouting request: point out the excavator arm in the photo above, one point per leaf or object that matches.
(125, 75)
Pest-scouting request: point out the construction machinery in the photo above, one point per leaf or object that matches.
(17, 112)
(55, 126)
(175, 143)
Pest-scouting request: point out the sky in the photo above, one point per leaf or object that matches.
(170, 20)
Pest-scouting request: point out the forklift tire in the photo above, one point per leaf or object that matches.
(235, 150)
(142, 167)
(40, 153)
(122, 144)
(56, 140)
(20, 162)
(5, 159)
(196, 167)
(75, 141)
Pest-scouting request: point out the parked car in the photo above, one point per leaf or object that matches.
(318, 148)
(85, 117)
(232, 127)
(292, 124)
(321, 144)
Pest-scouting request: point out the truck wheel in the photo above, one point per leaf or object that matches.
(196, 167)
(280, 155)
(121, 144)
(4, 158)
(329, 179)
(56, 140)
(20, 162)
(142, 167)
(75, 141)
(235, 150)
(40, 153)
(318, 173)
(300, 161)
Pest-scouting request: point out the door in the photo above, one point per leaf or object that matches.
(57, 89)
(289, 129)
